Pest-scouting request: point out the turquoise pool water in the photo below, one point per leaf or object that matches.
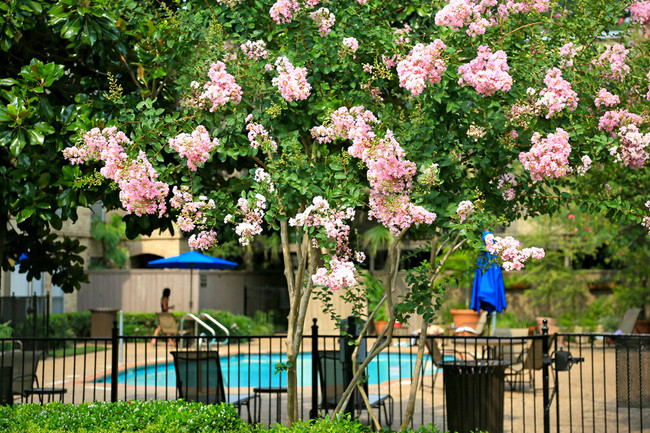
(257, 370)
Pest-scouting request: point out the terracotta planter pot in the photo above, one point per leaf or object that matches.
(464, 317)
(379, 325)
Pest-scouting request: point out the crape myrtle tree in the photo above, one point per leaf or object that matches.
(57, 58)
(434, 119)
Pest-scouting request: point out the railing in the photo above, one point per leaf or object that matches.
(197, 322)
(608, 391)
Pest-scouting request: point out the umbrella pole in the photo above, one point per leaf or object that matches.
(191, 288)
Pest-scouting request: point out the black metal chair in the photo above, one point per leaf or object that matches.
(334, 381)
(199, 378)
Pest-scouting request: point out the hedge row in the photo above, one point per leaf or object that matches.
(152, 417)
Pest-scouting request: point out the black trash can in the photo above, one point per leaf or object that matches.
(633, 370)
(101, 321)
(6, 384)
(475, 391)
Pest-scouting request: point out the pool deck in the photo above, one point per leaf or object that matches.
(582, 406)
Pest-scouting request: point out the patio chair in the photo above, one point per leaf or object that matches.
(436, 356)
(514, 351)
(629, 321)
(474, 329)
(531, 358)
(24, 380)
(199, 378)
(333, 382)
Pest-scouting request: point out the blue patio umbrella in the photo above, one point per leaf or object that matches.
(192, 260)
(489, 292)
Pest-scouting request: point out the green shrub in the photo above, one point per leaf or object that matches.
(156, 417)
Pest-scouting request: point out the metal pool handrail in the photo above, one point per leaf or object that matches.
(197, 322)
(216, 322)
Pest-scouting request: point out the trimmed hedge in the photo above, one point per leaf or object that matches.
(154, 417)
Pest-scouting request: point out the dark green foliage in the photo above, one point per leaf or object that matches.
(155, 417)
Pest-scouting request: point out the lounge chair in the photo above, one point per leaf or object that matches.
(474, 329)
(437, 356)
(529, 359)
(629, 321)
(24, 380)
(199, 378)
(333, 382)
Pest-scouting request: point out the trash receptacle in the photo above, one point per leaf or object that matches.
(475, 391)
(6, 384)
(101, 321)
(632, 371)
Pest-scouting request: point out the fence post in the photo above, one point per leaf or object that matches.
(313, 413)
(114, 362)
(545, 366)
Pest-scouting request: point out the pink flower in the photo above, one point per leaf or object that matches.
(548, 157)
(221, 88)
(196, 148)
(612, 62)
(352, 44)
(192, 211)
(510, 253)
(572, 217)
(487, 73)
(282, 11)
(640, 12)
(607, 99)
(506, 185)
(464, 210)
(324, 20)
(255, 50)
(558, 94)
(203, 241)
(292, 81)
(424, 63)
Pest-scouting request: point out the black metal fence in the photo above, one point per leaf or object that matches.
(560, 383)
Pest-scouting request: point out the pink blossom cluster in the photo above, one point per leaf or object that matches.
(586, 165)
(192, 211)
(292, 81)
(464, 210)
(632, 150)
(506, 185)
(424, 63)
(341, 274)
(353, 124)
(614, 119)
(140, 191)
(478, 15)
(430, 176)
(324, 19)
(255, 50)
(509, 251)
(403, 35)
(320, 215)
(221, 88)
(606, 98)
(252, 216)
(282, 11)
(391, 61)
(196, 147)
(259, 136)
(397, 212)
(487, 73)
(567, 52)
(640, 12)
(612, 62)
(557, 95)
(389, 173)
(262, 177)
(548, 157)
(351, 43)
(203, 240)
(104, 145)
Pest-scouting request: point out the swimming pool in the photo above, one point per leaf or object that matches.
(257, 370)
